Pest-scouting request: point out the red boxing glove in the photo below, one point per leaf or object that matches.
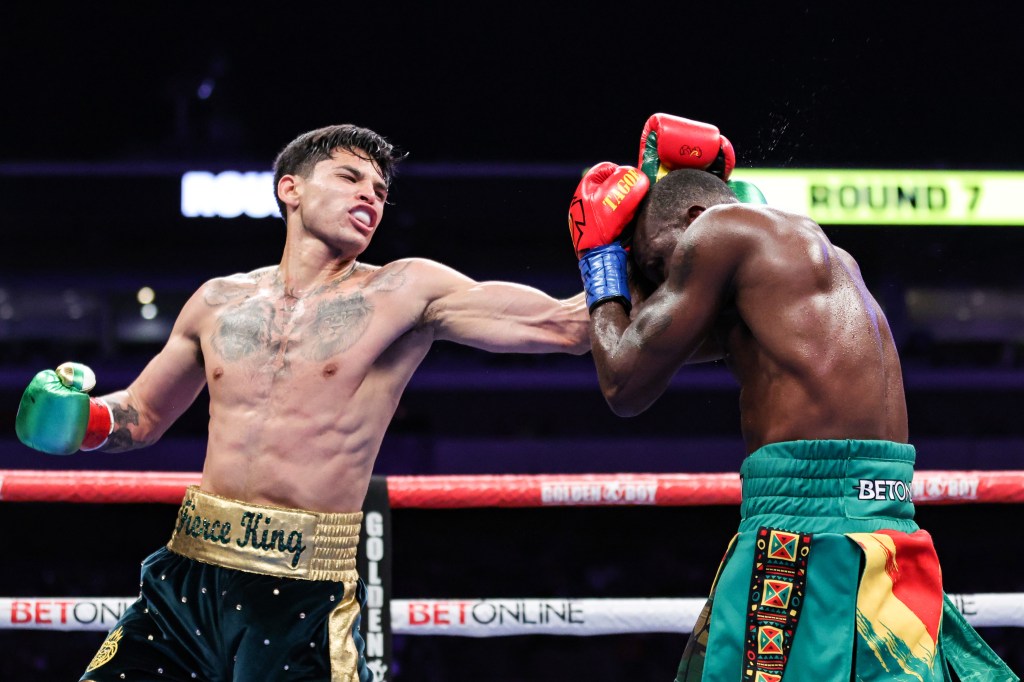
(669, 142)
(605, 201)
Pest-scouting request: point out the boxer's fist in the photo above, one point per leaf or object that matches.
(605, 202)
(56, 414)
(670, 142)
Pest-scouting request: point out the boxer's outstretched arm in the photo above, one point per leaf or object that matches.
(502, 317)
(57, 416)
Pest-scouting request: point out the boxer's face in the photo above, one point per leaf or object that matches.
(342, 200)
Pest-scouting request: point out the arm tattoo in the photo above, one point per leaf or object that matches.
(121, 437)
(338, 324)
(244, 330)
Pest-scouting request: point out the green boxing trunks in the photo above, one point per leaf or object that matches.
(243, 592)
(829, 579)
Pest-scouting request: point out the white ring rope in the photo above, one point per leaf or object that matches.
(485, 617)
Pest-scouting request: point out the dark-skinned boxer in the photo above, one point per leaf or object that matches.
(828, 578)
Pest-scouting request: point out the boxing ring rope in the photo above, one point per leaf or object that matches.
(484, 617)
(465, 491)
(493, 617)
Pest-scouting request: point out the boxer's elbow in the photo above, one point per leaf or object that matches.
(621, 409)
(622, 401)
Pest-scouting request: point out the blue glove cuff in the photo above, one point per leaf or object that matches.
(604, 275)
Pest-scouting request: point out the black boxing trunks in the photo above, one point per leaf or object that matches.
(243, 592)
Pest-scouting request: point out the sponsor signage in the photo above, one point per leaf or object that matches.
(599, 492)
(952, 487)
(884, 489)
(484, 617)
(57, 613)
(502, 617)
(374, 563)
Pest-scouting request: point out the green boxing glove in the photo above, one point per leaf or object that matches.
(746, 192)
(56, 414)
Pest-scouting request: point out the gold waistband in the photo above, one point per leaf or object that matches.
(291, 543)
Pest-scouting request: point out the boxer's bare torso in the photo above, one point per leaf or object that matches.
(306, 361)
(810, 346)
(787, 310)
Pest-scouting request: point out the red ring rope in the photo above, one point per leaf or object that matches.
(450, 492)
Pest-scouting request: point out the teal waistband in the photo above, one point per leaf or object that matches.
(841, 486)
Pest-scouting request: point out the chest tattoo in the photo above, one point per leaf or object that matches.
(387, 279)
(246, 329)
(337, 324)
(255, 329)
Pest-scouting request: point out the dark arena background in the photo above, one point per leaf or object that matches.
(501, 108)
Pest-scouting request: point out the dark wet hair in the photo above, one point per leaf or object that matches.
(675, 193)
(304, 152)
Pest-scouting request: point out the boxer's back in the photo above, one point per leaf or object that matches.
(809, 344)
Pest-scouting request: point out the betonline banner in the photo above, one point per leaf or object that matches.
(486, 617)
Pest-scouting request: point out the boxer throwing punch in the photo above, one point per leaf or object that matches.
(305, 363)
(828, 578)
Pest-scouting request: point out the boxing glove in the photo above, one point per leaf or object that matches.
(669, 142)
(746, 192)
(605, 202)
(56, 414)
